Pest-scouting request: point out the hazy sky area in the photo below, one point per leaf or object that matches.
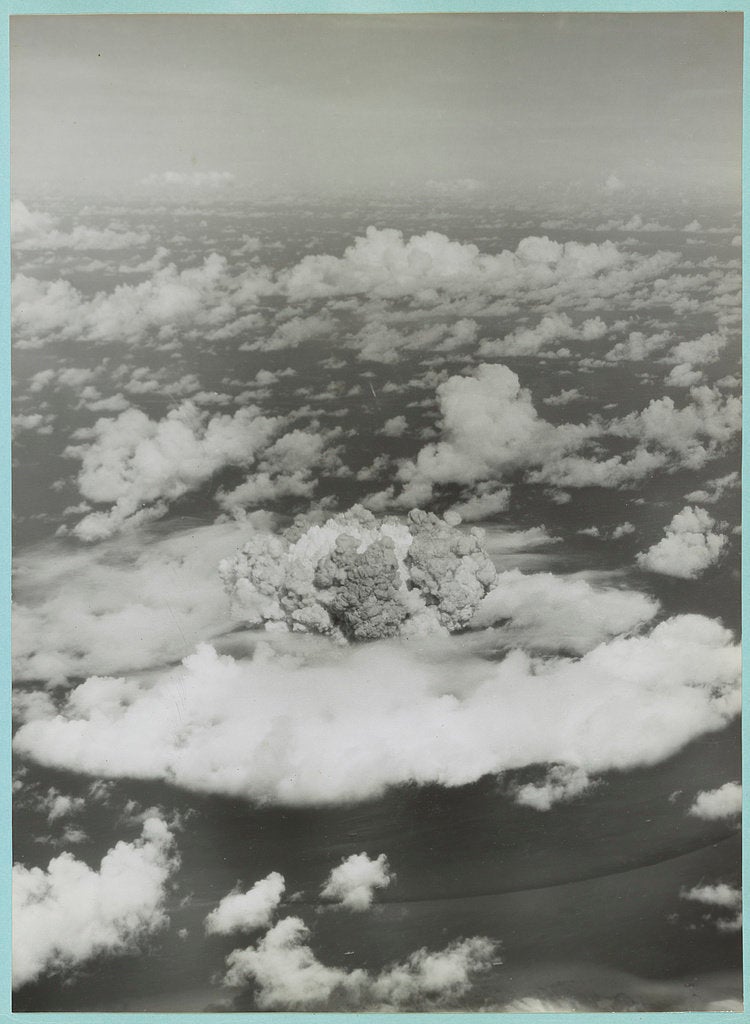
(319, 102)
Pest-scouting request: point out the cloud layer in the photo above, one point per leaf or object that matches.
(344, 725)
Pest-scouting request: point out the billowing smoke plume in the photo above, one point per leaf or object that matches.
(357, 578)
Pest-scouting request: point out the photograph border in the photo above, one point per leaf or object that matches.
(8, 9)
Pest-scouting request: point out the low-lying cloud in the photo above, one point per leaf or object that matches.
(69, 913)
(288, 975)
(343, 724)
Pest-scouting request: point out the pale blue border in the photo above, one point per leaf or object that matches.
(9, 7)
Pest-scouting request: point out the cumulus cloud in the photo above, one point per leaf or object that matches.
(384, 264)
(395, 426)
(689, 546)
(36, 422)
(247, 911)
(553, 328)
(353, 883)
(705, 349)
(69, 913)
(490, 430)
(684, 375)
(138, 465)
(713, 804)
(355, 578)
(554, 613)
(288, 975)
(561, 784)
(294, 332)
(565, 396)
(344, 723)
(34, 230)
(623, 530)
(720, 896)
(692, 435)
(442, 276)
(172, 305)
(637, 347)
(58, 805)
(288, 467)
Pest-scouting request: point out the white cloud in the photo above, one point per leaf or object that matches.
(247, 911)
(489, 430)
(724, 802)
(395, 426)
(76, 610)
(715, 489)
(691, 435)
(383, 263)
(290, 466)
(442, 276)
(288, 975)
(69, 913)
(353, 883)
(561, 784)
(60, 805)
(705, 349)
(196, 303)
(555, 613)
(684, 375)
(501, 540)
(294, 332)
(37, 422)
(637, 347)
(138, 464)
(565, 396)
(488, 501)
(722, 896)
(555, 327)
(281, 729)
(688, 548)
(34, 230)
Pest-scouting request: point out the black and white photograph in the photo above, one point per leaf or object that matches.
(376, 408)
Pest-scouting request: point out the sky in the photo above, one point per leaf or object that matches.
(319, 102)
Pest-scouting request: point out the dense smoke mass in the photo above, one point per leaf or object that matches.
(357, 578)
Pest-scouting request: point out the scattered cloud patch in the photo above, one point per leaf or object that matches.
(353, 883)
(69, 913)
(138, 465)
(561, 784)
(689, 546)
(288, 975)
(247, 911)
(714, 804)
